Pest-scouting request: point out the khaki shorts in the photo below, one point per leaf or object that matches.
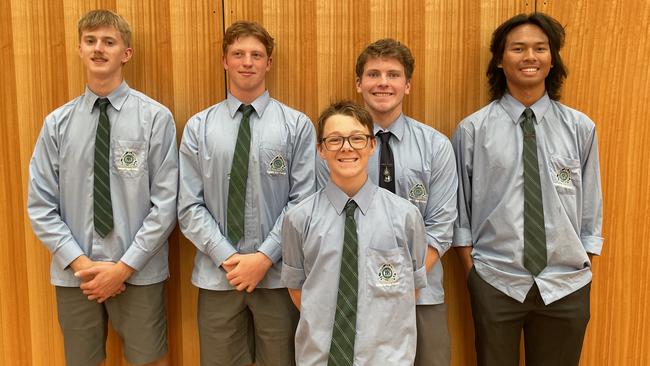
(137, 315)
(238, 328)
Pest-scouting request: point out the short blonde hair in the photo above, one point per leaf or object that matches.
(105, 18)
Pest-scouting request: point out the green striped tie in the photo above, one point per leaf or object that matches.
(345, 320)
(534, 232)
(102, 208)
(238, 177)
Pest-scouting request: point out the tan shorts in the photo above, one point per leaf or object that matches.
(238, 328)
(137, 315)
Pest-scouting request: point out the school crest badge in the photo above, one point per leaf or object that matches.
(129, 160)
(418, 193)
(277, 166)
(387, 274)
(564, 176)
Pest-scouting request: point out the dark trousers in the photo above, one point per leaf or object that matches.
(553, 333)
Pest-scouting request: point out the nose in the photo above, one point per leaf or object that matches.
(346, 145)
(248, 60)
(99, 46)
(383, 80)
(529, 53)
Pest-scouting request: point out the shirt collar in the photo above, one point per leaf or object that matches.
(396, 127)
(515, 109)
(117, 97)
(363, 198)
(259, 104)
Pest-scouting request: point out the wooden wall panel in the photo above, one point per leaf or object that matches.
(15, 342)
(606, 52)
(177, 60)
(198, 83)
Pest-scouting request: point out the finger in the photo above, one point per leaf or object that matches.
(241, 287)
(86, 272)
(250, 289)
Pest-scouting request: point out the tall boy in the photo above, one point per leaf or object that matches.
(102, 198)
(417, 163)
(353, 256)
(243, 163)
(530, 204)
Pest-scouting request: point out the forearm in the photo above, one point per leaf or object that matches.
(465, 256)
(295, 295)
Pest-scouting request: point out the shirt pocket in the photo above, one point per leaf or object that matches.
(130, 158)
(387, 273)
(274, 161)
(565, 174)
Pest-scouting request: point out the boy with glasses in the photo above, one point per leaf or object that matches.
(353, 256)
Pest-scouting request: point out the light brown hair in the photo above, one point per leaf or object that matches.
(247, 29)
(105, 18)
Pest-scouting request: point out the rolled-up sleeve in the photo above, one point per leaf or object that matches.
(417, 246)
(592, 199)
(293, 275)
(440, 213)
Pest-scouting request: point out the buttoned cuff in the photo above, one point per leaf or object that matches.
(220, 251)
(420, 277)
(135, 257)
(271, 250)
(67, 253)
(462, 237)
(292, 277)
(592, 244)
(441, 248)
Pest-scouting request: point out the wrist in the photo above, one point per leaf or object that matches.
(124, 270)
(81, 262)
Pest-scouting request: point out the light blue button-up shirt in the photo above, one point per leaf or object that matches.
(390, 235)
(143, 191)
(280, 174)
(425, 174)
(488, 147)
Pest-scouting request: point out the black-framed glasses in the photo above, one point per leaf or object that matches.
(335, 143)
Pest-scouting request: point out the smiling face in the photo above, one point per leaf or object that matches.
(383, 86)
(347, 166)
(103, 53)
(247, 63)
(526, 60)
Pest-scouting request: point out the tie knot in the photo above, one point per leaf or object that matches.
(528, 113)
(102, 103)
(246, 109)
(349, 208)
(384, 136)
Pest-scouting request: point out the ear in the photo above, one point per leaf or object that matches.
(407, 90)
(357, 82)
(373, 144)
(224, 62)
(128, 53)
(321, 151)
(269, 63)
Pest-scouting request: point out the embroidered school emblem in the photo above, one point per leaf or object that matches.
(387, 274)
(564, 176)
(277, 166)
(418, 193)
(129, 160)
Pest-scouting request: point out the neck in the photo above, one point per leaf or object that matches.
(526, 96)
(384, 120)
(350, 186)
(103, 86)
(247, 97)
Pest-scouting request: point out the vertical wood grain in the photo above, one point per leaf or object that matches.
(606, 52)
